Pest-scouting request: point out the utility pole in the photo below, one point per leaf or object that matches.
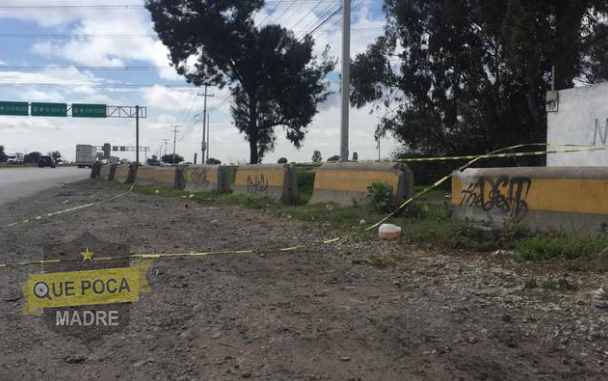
(175, 131)
(166, 142)
(137, 135)
(208, 135)
(344, 118)
(379, 150)
(204, 141)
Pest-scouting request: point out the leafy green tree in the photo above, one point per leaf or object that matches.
(3, 157)
(32, 157)
(153, 160)
(56, 155)
(212, 161)
(316, 157)
(172, 159)
(471, 76)
(274, 78)
(334, 158)
(355, 156)
(282, 160)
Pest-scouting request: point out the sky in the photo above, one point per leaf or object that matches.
(106, 51)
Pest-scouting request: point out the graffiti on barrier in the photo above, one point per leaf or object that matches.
(506, 195)
(198, 176)
(257, 185)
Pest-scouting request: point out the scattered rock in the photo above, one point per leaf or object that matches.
(531, 283)
(75, 359)
(344, 358)
(603, 304)
(141, 363)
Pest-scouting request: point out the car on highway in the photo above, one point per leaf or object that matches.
(46, 161)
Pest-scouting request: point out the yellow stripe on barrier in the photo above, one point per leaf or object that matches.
(328, 241)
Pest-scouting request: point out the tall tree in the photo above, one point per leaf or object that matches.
(56, 155)
(32, 157)
(470, 76)
(316, 157)
(172, 159)
(3, 157)
(275, 79)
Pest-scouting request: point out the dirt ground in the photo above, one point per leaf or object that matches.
(327, 314)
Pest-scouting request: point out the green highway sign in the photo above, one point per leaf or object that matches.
(49, 109)
(89, 111)
(14, 108)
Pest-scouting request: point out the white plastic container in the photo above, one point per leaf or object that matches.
(389, 232)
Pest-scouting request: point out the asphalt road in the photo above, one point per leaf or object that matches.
(23, 182)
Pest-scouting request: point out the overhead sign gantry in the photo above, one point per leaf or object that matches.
(76, 110)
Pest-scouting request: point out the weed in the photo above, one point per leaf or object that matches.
(380, 196)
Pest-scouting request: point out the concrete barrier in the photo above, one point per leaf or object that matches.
(107, 172)
(165, 176)
(346, 183)
(569, 199)
(277, 182)
(205, 178)
(124, 174)
(96, 170)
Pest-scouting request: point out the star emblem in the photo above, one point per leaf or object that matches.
(87, 255)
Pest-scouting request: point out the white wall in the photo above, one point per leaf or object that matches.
(582, 118)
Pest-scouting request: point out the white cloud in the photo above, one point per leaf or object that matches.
(163, 98)
(53, 14)
(96, 47)
(165, 106)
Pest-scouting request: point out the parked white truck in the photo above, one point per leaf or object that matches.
(16, 158)
(85, 156)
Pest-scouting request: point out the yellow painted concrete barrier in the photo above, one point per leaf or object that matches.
(165, 176)
(557, 198)
(277, 182)
(346, 183)
(205, 178)
(124, 174)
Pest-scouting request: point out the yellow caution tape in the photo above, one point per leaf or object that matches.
(496, 153)
(68, 210)
(502, 155)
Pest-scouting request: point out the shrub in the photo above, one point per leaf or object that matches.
(380, 196)
(282, 160)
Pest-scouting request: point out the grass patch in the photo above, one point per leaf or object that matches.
(424, 223)
(306, 183)
(582, 253)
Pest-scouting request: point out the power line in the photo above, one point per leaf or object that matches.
(330, 28)
(325, 21)
(271, 12)
(312, 10)
(109, 86)
(116, 35)
(326, 11)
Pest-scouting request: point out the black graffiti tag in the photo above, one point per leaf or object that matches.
(505, 194)
(258, 185)
(199, 177)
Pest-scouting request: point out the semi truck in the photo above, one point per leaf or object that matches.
(86, 155)
(16, 158)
